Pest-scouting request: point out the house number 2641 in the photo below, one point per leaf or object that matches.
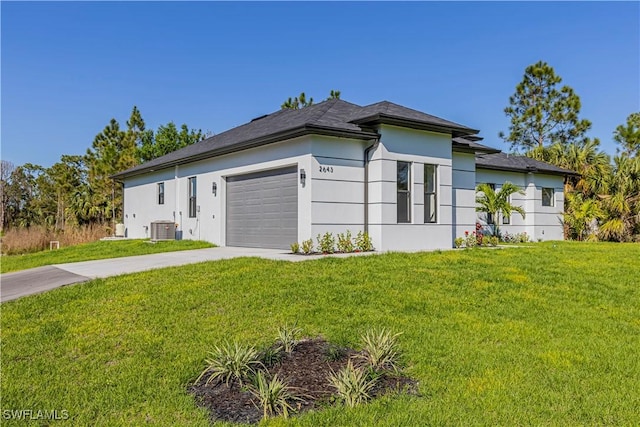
(326, 169)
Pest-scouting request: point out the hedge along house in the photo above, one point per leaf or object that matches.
(405, 177)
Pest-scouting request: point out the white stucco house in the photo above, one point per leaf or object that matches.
(406, 177)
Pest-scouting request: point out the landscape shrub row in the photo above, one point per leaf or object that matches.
(328, 244)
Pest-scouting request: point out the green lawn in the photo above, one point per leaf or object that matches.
(101, 249)
(545, 335)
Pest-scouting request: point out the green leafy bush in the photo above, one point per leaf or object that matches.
(230, 362)
(363, 242)
(288, 337)
(458, 242)
(470, 240)
(345, 242)
(295, 247)
(491, 240)
(326, 243)
(273, 395)
(307, 246)
(352, 385)
(380, 349)
(271, 356)
(335, 352)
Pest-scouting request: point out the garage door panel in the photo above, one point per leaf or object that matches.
(262, 209)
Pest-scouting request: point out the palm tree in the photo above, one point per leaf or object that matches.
(583, 157)
(496, 203)
(622, 201)
(581, 216)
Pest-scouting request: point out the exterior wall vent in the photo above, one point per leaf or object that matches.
(163, 230)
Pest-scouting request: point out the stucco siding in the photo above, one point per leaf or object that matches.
(418, 148)
(540, 222)
(209, 222)
(463, 193)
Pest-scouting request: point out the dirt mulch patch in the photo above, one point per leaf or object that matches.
(306, 370)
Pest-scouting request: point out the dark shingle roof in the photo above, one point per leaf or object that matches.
(388, 112)
(333, 117)
(510, 162)
(470, 145)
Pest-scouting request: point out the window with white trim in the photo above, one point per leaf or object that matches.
(192, 197)
(506, 216)
(430, 193)
(161, 193)
(548, 196)
(403, 181)
(490, 218)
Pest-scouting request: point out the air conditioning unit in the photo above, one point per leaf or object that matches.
(163, 230)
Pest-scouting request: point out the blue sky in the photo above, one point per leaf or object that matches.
(69, 67)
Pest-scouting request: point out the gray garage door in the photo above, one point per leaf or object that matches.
(262, 209)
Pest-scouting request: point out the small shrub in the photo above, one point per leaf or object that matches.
(295, 247)
(307, 246)
(491, 240)
(352, 385)
(458, 242)
(470, 240)
(335, 352)
(230, 362)
(345, 243)
(271, 356)
(288, 337)
(326, 243)
(380, 349)
(523, 237)
(363, 242)
(273, 395)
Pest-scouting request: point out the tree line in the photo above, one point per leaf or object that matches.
(603, 202)
(78, 190)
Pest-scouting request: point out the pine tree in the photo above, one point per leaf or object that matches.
(628, 136)
(542, 113)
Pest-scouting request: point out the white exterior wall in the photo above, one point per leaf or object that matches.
(540, 222)
(210, 222)
(464, 193)
(337, 185)
(419, 148)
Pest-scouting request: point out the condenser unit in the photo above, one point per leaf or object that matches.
(163, 230)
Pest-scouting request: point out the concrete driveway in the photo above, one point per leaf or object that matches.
(28, 282)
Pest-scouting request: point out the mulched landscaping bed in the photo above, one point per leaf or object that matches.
(306, 370)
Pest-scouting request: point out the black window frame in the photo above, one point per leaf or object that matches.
(551, 197)
(193, 193)
(403, 195)
(161, 193)
(490, 219)
(506, 217)
(430, 206)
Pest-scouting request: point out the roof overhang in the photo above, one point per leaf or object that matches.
(466, 148)
(253, 143)
(528, 169)
(381, 118)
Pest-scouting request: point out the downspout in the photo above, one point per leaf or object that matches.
(367, 150)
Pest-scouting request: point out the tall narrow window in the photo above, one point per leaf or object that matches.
(404, 195)
(506, 216)
(547, 197)
(161, 193)
(430, 193)
(490, 219)
(192, 197)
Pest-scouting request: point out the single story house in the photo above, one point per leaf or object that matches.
(406, 177)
